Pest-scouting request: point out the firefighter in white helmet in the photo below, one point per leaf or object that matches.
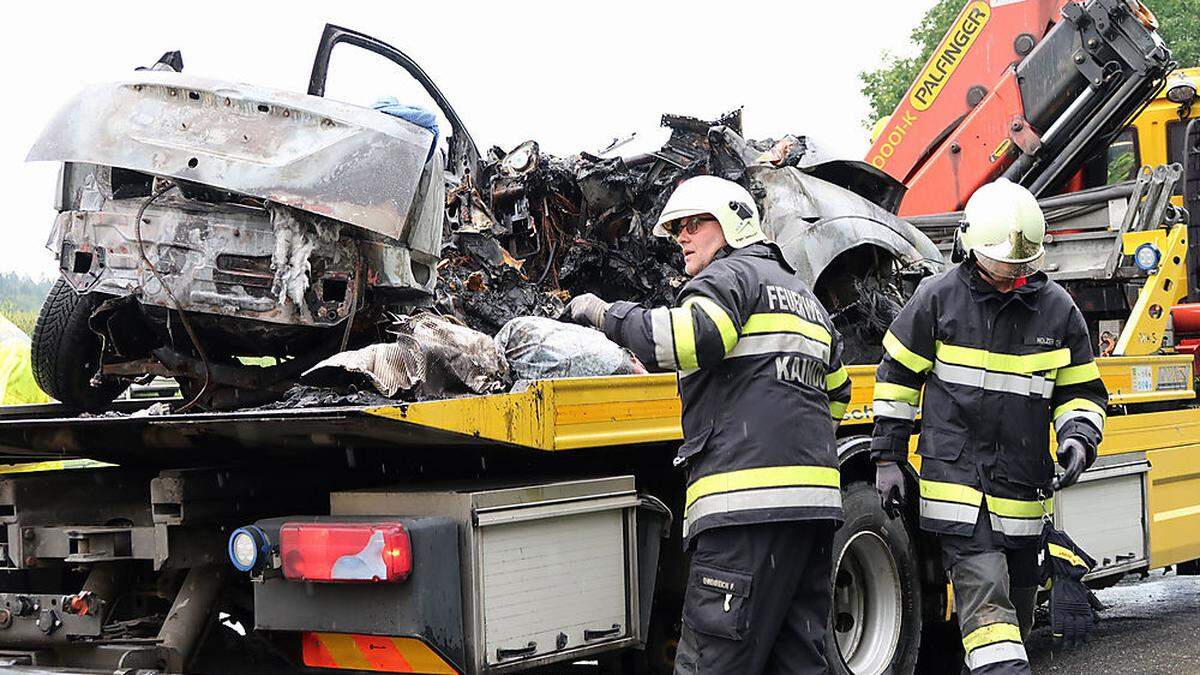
(763, 389)
(1002, 353)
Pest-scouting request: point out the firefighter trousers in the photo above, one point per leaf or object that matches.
(757, 600)
(995, 590)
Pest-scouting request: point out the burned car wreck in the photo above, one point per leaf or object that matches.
(204, 225)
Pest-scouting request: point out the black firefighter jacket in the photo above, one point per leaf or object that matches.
(762, 385)
(997, 369)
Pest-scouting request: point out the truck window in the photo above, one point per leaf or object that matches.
(1122, 160)
(1176, 138)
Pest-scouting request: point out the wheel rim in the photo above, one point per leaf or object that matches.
(866, 604)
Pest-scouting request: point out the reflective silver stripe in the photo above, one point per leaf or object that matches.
(1025, 385)
(1016, 527)
(896, 409)
(688, 372)
(1095, 418)
(664, 338)
(954, 513)
(769, 498)
(775, 343)
(995, 653)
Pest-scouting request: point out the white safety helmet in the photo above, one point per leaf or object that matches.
(1004, 227)
(725, 200)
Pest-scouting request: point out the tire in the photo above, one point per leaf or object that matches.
(65, 351)
(876, 623)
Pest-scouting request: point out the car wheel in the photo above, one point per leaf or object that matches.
(65, 351)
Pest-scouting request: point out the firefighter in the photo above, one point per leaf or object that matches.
(1002, 352)
(763, 389)
(16, 377)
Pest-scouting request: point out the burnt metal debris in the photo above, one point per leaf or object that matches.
(533, 229)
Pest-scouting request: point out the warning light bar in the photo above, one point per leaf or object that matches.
(345, 552)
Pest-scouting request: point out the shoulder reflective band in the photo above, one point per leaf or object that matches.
(836, 379)
(1022, 364)
(683, 332)
(372, 653)
(896, 392)
(1067, 555)
(785, 323)
(907, 357)
(1077, 374)
(720, 319)
(837, 410)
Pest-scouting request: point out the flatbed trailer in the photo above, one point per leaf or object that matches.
(1137, 509)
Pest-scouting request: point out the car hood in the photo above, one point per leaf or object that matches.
(338, 160)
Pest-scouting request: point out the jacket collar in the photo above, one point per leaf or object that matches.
(981, 290)
(767, 250)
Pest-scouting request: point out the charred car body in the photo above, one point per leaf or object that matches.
(202, 221)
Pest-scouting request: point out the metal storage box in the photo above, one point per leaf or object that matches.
(549, 572)
(1106, 513)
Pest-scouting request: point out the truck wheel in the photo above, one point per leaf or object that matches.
(65, 351)
(875, 625)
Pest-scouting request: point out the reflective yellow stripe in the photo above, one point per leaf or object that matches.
(836, 379)
(837, 410)
(1079, 404)
(1076, 374)
(684, 334)
(729, 333)
(1067, 554)
(907, 357)
(991, 634)
(896, 392)
(765, 477)
(785, 323)
(1018, 508)
(344, 651)
(951, 492)
(1022, 364)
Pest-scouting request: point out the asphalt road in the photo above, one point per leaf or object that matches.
(1151, 625)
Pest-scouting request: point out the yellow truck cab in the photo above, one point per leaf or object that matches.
(1156, 136)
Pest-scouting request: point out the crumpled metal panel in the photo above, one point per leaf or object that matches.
(337, 160)
(213, 260)
(814, 221)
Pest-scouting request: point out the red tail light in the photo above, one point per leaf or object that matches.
(365, 552)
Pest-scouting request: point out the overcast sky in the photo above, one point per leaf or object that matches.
(570, 75)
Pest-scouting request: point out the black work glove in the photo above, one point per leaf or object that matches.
(1072, 457)
(1072, 619)
(889, 480)
(586, 310)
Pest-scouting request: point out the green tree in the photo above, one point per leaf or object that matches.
(1179, 24)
